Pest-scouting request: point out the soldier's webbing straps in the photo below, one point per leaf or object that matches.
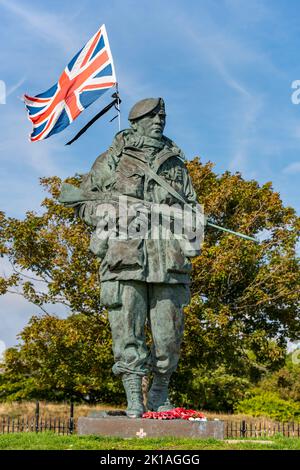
(164, 184)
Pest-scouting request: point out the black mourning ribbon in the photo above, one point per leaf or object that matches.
(116, 101)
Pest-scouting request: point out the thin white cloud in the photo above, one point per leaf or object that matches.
(226, 54)
(38, 157)
(133, 87)
(221, 50)
(14, 87)
(49, 26)
(244, 11)
(292, 168)
(241, 135)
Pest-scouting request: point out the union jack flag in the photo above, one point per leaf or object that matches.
(89, 74)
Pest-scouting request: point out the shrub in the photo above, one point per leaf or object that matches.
(269, 404)
(216, 390)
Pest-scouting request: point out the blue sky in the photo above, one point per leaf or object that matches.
(224, 68)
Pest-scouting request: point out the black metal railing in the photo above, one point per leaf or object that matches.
(260, 429)
(67, 425)
(37, 423)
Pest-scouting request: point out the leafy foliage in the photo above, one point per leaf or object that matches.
(277, 394)
(285, 382)
(62, 359)
(50, 257)
(269, 404)
(215, 389)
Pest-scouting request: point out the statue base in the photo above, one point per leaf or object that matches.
(116, 424)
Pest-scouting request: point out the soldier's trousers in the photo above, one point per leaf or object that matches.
(130, 305)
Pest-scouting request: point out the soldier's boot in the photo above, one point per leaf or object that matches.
(158, 396)
(133, 387)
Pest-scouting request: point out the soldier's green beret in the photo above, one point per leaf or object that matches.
(144, 107)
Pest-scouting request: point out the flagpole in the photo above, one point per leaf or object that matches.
(118, 106)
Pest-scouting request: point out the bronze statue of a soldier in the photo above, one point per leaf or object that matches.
(143, 279)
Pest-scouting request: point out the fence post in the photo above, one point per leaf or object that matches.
(37, 416)
(243, 429)
(71, 421)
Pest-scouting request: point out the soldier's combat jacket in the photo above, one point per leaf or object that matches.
(120, 171)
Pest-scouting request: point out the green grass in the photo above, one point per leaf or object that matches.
(50, 441)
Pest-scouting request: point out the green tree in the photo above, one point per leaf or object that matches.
(285, 382)
(245, 296)
(277, 394)
(269, 404)
(62, 359)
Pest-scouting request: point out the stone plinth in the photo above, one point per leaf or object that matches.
(116, 425)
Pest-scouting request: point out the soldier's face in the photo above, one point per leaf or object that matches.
(151, 125)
